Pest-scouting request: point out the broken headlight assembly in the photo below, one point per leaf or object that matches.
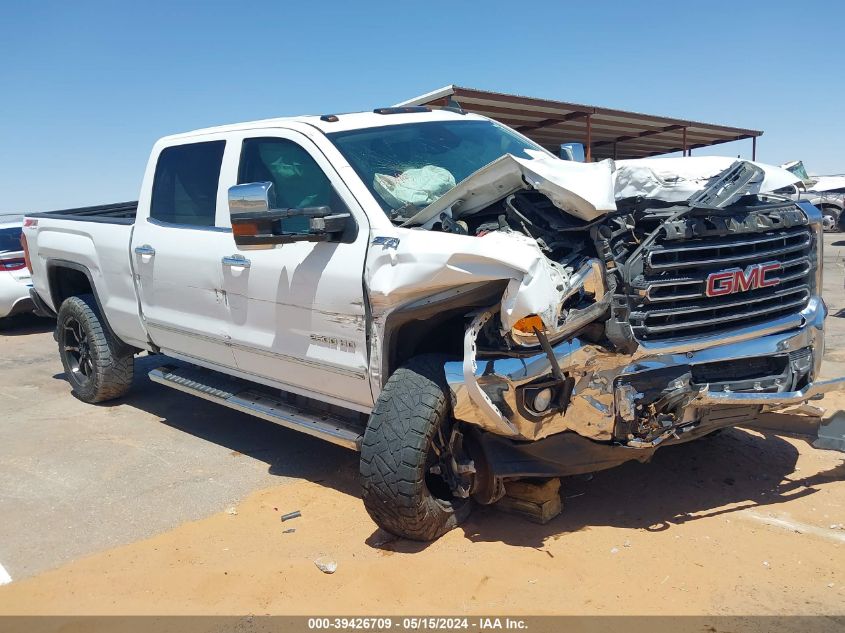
(581, 301)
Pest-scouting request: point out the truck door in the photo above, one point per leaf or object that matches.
(175, 248)
(296, 311)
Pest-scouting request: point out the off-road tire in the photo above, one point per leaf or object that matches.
(412, 406)
(110, 364)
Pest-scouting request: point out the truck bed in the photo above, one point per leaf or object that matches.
(116, 213)
(94, 241)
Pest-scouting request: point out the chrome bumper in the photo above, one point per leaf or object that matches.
(782, 398)
(489, 392)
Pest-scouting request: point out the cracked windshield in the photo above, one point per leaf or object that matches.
(407, 167)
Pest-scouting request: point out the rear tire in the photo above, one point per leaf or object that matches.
(399, 491)
(98, 366)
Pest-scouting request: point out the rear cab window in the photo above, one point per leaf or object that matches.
(10, 240)
(185, 184)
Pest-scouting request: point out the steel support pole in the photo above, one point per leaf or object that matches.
(685, 141)
(753, 148)
(588, 157)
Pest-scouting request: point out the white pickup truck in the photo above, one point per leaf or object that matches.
(439, 292)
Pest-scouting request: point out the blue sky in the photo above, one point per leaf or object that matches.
(88, 87)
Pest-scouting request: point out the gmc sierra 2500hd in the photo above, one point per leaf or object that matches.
(442, 294)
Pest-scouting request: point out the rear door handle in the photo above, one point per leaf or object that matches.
(236, 260)
(145, 249)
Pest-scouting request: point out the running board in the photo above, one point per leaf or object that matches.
(241, 396)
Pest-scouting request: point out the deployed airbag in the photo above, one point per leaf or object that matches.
(418, 187)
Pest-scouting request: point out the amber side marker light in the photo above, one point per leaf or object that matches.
(529, 324)
(245, 228)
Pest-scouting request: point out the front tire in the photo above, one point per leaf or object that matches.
(402, 484)
(97, 365)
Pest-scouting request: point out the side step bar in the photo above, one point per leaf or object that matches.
(241, 396)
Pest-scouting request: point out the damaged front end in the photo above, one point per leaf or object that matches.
(689, 307)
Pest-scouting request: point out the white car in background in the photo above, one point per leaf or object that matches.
(14, 275)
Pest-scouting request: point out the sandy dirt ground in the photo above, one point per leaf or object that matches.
(742, 523)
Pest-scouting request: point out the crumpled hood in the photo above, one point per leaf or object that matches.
(590, 190)
(676, 179)
(584, 190)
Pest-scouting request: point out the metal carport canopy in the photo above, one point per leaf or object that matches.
(606, 133)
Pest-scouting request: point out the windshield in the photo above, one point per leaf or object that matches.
(407, 167)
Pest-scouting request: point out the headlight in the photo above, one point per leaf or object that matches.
(579, 303)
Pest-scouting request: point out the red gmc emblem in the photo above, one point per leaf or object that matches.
(727, 282)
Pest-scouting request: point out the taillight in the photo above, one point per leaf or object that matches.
(12, 263)
(25, 248)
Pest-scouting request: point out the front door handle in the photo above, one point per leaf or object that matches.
(236, 260)
(145, 249)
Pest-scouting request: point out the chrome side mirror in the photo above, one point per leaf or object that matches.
(252, 197)
(257, 223)
(572, 151)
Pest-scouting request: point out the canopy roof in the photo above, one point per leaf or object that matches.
(605, 132)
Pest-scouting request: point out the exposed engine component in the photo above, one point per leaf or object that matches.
(644, 273)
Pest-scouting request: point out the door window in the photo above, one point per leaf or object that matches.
(298, 180)
(185, 184)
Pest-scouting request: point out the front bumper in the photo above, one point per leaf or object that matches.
(490, 392)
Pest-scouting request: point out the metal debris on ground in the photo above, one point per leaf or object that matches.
(326, 565)
(291, 515)
(289, 531)
(233, 510)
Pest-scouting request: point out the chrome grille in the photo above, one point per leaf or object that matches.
(668, 299)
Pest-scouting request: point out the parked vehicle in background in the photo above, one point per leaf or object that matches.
(827, 193)
(14, 275)
(439, 292)
(830, 203)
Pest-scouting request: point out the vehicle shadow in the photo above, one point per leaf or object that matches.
(718, 475)
(26, 324)
(287, 453)
(722, 474)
